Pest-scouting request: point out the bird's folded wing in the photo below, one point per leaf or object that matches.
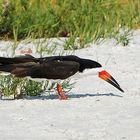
(54, 70)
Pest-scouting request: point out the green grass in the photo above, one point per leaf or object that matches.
(86, 19)
(15, 88)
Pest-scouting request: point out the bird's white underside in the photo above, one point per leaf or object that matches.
(87, 72)
(78, 75)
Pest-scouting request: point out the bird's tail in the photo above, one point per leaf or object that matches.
(17, 65)
(16, 60)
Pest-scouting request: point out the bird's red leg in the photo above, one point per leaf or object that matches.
(61, 94)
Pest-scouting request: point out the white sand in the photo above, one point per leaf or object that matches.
(95, 110)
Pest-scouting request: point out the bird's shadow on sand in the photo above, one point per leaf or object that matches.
(70, 96)
(73, 96)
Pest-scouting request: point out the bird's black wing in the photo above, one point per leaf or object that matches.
(50, 70)
(19, 59)
(29, 58)
(54, 67)
(54, 70)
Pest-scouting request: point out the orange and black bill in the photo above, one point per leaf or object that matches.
(108, 78)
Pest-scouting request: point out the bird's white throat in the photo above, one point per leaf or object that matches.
(87, 72)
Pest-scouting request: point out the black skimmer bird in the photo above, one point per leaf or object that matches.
(54, 67)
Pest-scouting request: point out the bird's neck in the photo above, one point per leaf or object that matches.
(87, 72)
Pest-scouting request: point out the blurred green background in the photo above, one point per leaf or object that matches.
(87, 19)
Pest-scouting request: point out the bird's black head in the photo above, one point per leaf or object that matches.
(88, 64)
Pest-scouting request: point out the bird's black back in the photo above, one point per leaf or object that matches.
(84, 63)
(54, 67)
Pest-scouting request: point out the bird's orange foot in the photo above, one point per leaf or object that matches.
(61, 94)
